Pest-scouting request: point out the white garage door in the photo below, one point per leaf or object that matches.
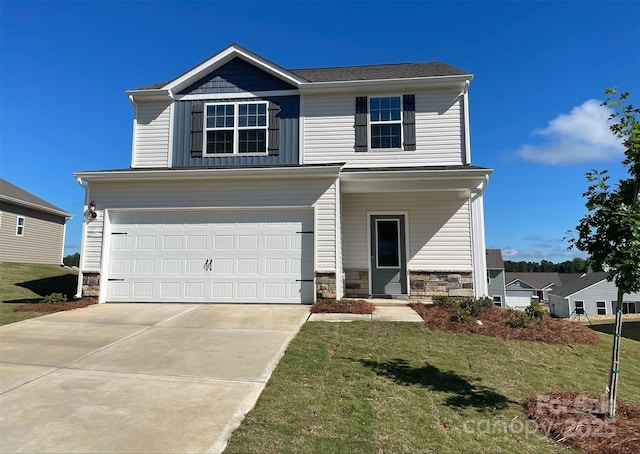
(519, 298)
(258, 256)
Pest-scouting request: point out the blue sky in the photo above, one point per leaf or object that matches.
(540, 70)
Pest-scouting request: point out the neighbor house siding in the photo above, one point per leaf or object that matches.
(602, 291)
(329, 132)
(42, 241)
(496, 284)
(288, 137)
(439, 229)
(559, 306)
(212, 194)
(151, 134)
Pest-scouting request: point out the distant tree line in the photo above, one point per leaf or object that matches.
(576, 265)
(72, 260)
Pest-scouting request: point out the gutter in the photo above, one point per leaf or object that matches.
(78, 294)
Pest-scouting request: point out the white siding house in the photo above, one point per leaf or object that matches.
(253, 183)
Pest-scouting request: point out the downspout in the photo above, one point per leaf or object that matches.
(83, 240)
(478, 249)
(64, 238)
(467, 141)
(135, 127)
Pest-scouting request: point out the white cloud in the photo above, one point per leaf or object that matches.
(579, 136)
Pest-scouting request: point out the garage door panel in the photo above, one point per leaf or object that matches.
(252, 256)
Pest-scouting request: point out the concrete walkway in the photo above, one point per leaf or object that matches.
(137, 378)
(385, 311)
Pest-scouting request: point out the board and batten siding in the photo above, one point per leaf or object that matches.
(439, 229)
(151, 135)
(217, 194)
(288, 136)
(42, 241)
(329, 134)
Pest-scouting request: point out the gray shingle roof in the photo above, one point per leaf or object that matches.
(535, 280)
(494, 259)
(580, 283)
(377, 72)
(12, 193)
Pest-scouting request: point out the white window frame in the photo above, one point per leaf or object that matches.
(603, 307)
(497, 300)
(236, 128)
(20, 226)
(371, 123)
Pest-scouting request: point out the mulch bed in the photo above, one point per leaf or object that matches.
(495, 324)
(579, 420)
(48, 307)
(342, 307)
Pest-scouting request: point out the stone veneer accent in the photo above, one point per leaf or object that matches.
(356, 283)
(325, 285)
(434, 283)
(90, 284)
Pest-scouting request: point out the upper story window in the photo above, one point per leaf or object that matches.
(20, 226)
(385, 121)
(236, 128)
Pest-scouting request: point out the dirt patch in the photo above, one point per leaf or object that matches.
(579, 420)
(495, 323)
(342, 307)
(49, 307)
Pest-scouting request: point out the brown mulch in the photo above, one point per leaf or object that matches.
(495, 324)
(579, 420)
(342, 307)
(48, 307)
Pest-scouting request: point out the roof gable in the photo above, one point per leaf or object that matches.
(534, 280)
(13, 194)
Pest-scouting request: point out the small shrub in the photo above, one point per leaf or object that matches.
(519, 319)
(463, 314)
(55, 298)
(535, 312)
(479, 305)
(447, 301)
(464, 307)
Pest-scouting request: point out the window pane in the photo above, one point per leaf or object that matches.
(252, 141)
(385, 109)
(219, 141)
(388, 244)
(252, 115)
(220, 116)
(385, 136)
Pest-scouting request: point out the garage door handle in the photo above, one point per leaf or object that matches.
(308, 231)
(115, 280)
(118, 233)
(304, 280)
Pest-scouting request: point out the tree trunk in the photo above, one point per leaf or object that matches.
(615, 359)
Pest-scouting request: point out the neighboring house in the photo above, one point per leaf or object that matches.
(31, 229)
(591, 294)
(521, 288)
(495, 277)
(250, 182)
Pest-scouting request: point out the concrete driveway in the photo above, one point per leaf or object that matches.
(139, 378)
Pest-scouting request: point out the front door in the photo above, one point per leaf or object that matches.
(388, 255)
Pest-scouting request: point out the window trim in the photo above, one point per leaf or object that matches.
(236, 128)
(598, 308)
(20, 226)
(399, 122)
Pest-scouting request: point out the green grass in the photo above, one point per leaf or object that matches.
(380, 387)
(23, 283)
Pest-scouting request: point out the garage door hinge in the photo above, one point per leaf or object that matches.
(309, 231)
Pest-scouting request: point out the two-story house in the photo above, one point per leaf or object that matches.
(250, 182)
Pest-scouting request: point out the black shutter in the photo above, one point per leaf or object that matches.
(273, 146)
(409, 122)
(361, 123)
(197, 123)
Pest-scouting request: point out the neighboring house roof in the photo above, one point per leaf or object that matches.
(568, 277)
(534, 280)
(13, 194)
(333, 74)
(582, 282)
(494, 259)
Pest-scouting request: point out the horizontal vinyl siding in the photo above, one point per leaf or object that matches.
(151, 135)
(42, 241)
(329, 132)
(602, 291)
(211, 194)
(439, 229)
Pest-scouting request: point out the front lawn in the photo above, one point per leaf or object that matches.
(25, 283)
(383, 387)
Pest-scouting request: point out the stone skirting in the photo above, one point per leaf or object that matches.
(91, 284)
(356, 283)
(325, 285)
(434, 283)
